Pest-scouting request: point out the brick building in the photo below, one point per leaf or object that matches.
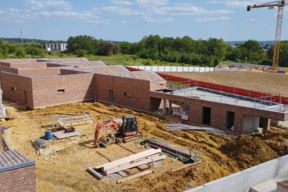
(45, 82)
(17, 172)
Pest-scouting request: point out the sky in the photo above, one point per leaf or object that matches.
(131, 20)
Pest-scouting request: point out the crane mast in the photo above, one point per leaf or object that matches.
(280, 4)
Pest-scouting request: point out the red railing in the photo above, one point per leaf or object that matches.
(223, 88)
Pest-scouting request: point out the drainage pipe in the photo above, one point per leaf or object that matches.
(98, 175)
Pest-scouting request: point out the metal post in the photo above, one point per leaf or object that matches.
(280, 101)
(249, 92)
(234, 90)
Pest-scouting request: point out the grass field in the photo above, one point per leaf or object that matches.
(126, 60)
(256, 81)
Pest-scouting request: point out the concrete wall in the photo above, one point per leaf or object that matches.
(22, 179)
(140, 90)
(244, 180)
(219, 111)
(250, 122)
(20, 83)
(39, 72)
(76, 88)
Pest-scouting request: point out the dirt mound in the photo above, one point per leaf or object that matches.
(249, 151)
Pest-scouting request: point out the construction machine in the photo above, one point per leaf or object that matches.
(127, 130)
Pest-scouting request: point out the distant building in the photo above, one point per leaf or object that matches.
(56, 46)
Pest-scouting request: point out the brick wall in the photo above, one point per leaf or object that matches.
(140, 90)
(70, 72)
(22, 179)
(219, 111)
(19, 60)
(39, 72)
(76, 88)
(7, 69)
(20, 83)
(4, 64)
(28, 65)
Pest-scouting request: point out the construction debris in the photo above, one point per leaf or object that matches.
(41, 143)
(184, 153)
(80, 122)
(63, 134)
(177, 127)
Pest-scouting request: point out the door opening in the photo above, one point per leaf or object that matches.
(230, 118)
(206, 115)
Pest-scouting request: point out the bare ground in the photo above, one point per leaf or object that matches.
(66, 170)
(256, 81)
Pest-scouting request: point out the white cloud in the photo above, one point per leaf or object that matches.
(230, 3)
(65, 15)
(125, 22)
(209, 19)
(15, 15)
(151, 3)
(185, 9)
(250, 19)
(39, 4)
(118, 10)
(99, 21)
(150, 20)
(122, 2)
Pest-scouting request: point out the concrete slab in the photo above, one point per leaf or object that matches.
(58, 145)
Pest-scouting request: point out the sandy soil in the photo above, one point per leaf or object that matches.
(66, 170)
(256, 81)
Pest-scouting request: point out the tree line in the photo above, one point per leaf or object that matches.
(183, 50)
(20, 50)
(180, 50)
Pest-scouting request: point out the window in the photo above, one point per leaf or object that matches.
(61, 91)
(128, 94)
(13, 88)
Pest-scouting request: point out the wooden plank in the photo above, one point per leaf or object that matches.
(134, 176)
(134, 165)
(130, 158)
(6, 144)
(185, 166)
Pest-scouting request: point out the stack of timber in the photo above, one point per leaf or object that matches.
(132, 161)
(177, 127)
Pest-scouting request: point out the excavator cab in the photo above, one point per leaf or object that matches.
(129, 126)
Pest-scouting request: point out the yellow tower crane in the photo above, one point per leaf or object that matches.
(280, 4)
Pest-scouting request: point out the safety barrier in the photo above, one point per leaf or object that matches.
(174, 68)
(243, 92)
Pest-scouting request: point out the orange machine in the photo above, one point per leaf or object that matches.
(127, 130)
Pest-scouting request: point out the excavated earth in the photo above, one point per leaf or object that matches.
(66, 170)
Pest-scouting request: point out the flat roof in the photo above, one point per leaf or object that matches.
(228, 98)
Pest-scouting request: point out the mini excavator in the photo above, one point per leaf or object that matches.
(127, 130)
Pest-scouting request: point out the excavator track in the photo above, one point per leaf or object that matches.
(132, 138)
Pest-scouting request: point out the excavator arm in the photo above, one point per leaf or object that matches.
(108, 123)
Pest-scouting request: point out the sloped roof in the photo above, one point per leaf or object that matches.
(104, 69)
(146, 75)
(13, 160)
(80, 64)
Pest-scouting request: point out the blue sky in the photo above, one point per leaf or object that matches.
(131, 20)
